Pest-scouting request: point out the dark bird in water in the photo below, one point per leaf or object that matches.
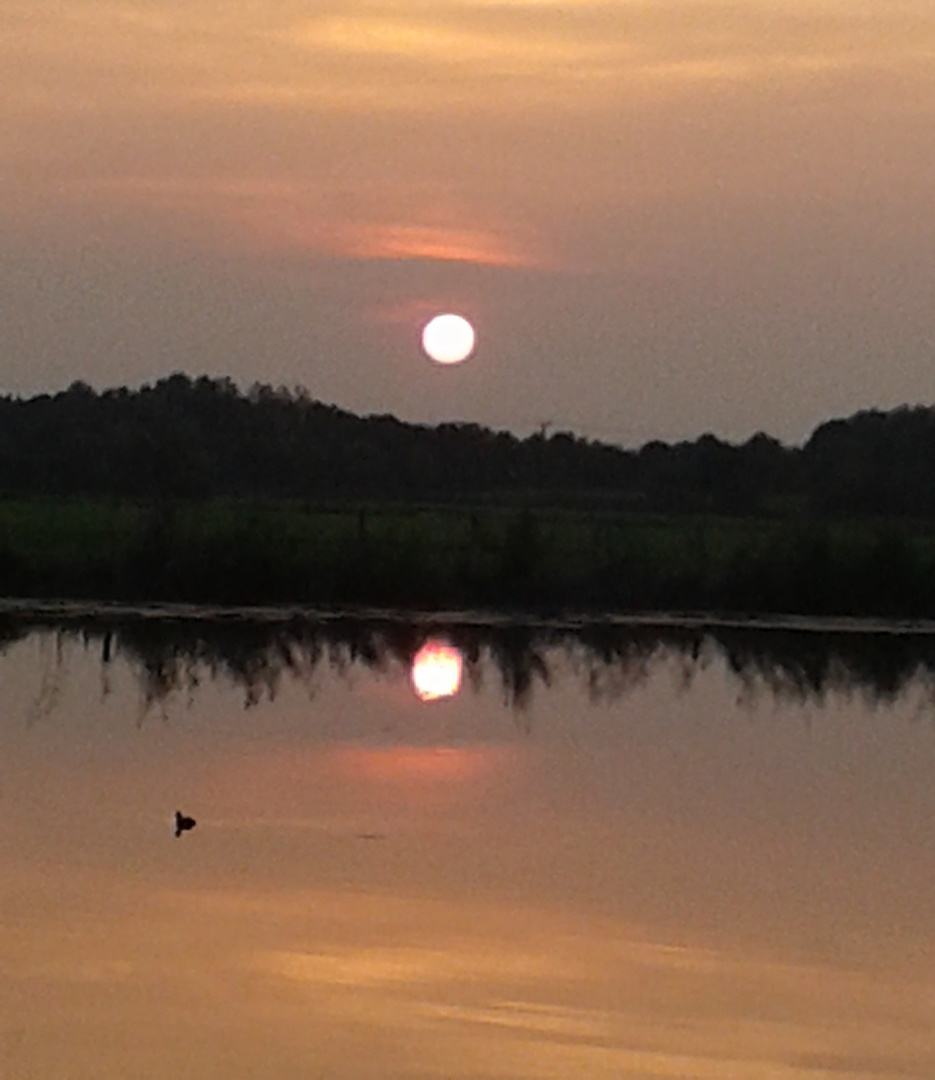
(182, 823)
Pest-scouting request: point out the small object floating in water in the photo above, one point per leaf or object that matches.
(182, 823)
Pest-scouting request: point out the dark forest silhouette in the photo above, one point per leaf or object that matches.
(192, 490)
(193, 438)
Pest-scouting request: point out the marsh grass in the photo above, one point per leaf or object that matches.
(229, 551)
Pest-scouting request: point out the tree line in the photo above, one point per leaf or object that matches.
(191, 438)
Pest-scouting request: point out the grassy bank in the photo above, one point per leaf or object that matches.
(431, 557)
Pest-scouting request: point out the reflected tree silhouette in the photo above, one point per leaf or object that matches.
(176, 654)
(811, 666)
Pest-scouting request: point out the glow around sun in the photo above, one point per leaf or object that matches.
(448, 339)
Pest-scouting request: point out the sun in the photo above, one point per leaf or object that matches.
(448, 339)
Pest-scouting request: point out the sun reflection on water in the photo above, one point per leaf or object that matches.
(436, 671)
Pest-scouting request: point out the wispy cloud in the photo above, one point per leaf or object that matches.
(411, 967)
(401, 55)
(485, 132)
(266, 214)
(414, 241)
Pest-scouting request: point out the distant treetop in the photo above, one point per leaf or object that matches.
(184, 437)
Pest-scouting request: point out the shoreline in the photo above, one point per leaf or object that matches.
(66, 610)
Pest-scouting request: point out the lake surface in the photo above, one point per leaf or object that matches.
(627, 853)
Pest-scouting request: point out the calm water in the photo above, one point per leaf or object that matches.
(632, 855)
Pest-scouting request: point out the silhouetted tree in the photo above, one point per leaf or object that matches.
(191, 438)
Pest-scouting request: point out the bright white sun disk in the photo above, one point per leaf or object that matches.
(448, 339)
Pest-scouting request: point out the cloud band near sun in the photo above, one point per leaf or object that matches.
(267, 217)
(447, 244)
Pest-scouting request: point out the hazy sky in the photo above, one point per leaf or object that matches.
(663, 217)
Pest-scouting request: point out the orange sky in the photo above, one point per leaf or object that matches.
(664, 218)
